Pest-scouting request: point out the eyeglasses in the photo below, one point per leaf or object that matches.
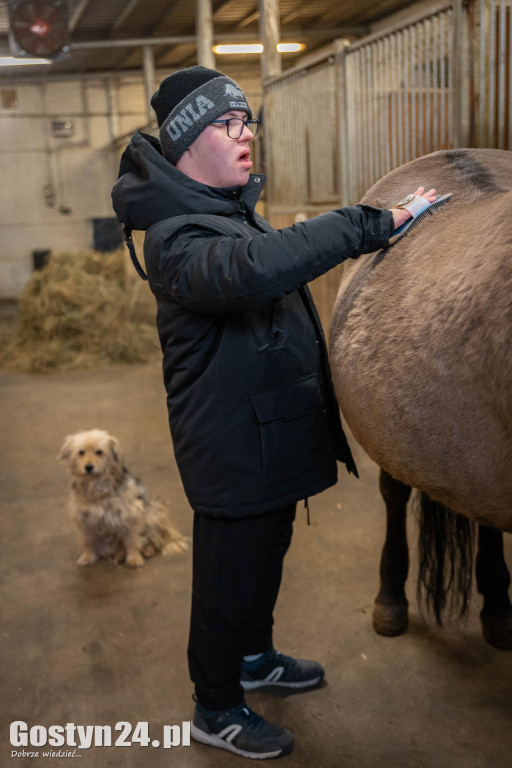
(235, 126)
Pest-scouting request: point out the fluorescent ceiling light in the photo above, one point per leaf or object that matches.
(11, 61)
(257, 48)
(290, 47)
(254, 48)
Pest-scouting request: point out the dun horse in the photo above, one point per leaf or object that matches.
(421, 352)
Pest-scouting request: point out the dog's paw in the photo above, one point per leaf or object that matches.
(149, 550)
(134, 559)
(118, 557)
(175, 547)
(87, 558)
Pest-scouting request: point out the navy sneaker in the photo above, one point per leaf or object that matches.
(242, 731)
(275, 668)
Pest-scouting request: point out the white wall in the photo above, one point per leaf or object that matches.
(52, 187)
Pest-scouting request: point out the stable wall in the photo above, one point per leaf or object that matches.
(53, 187)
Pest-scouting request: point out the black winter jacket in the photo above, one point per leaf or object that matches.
(252, 413)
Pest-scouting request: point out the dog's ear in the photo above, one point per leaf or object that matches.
(65, 450)
(115, 450)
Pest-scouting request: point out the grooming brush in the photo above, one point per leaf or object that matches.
(420, 209)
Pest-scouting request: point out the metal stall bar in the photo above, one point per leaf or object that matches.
(386, 91)
(420, 95)
(490, 76)
(501, 84)
(294, 184)
(436, 87)
(394, 101)
(369, 73)
(341, 113)
(381, 121)
(371, 76)
(363, 116)
(358, 116)
(482, 91)
(509, 114)
(442, 82)
(406, 87)
(413, 90)
(399, 81)
(428, 83)
(349, 161)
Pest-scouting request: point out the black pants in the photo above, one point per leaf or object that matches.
(237, 573)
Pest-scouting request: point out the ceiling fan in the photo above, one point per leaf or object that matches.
(38, 28)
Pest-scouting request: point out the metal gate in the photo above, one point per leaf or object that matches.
(337, 125)
(493, 121)
(399, 99)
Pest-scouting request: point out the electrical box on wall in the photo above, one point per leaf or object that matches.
(63, 127)
(9, 98)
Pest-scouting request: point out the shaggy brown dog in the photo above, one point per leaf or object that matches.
(115, 518)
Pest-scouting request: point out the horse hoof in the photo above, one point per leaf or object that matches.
(497, 630)
(390, 620)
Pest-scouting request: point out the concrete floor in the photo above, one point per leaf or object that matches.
(104, 644)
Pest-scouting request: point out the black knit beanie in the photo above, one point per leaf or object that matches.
(187, 101)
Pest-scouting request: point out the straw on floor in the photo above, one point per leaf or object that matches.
(82, 310)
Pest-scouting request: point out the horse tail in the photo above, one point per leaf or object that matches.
(446, 545)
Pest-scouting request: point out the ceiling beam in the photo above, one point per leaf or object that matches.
(127, 10)
(169, 13)
(77, 14)
(220, 37)
(248, 20)
(133, 42)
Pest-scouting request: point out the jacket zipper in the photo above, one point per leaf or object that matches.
(244, 209)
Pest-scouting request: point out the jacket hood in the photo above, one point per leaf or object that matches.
(150, 189)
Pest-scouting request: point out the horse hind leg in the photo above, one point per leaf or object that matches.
(390, 610)
(493, 582)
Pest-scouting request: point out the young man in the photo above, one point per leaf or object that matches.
(253, 418)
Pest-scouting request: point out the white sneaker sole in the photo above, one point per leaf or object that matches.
(214, 741)
(251, 685)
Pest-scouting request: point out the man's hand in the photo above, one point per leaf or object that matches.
(401, 215)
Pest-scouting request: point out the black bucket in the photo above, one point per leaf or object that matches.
(39, 258)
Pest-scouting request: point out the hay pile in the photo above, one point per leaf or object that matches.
(80, 311)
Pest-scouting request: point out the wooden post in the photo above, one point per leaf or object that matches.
(204, 33)
(269, 35)
(148, 63)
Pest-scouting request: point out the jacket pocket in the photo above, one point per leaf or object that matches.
(276, 334)
(292, 427)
